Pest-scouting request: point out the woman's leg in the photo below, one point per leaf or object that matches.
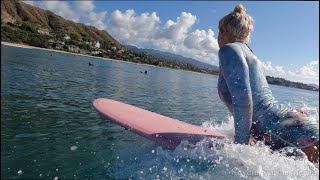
(312, 152)
(297, 129)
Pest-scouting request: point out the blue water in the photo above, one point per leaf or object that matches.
(50, 130)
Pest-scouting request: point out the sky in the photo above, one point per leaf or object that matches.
(285, 36)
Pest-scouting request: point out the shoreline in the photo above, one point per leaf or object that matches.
(23, 45)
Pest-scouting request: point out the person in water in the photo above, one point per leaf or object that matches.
(243, 87)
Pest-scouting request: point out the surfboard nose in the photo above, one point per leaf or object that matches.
(98, 103)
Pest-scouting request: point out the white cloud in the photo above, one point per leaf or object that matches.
(69, 11)
(145, 30)
(308, 73)
(311, 69)
(85, 5)
(97, 19)
(130, 28)
(61, 8)
(29, 2)
(177, 30)
(272, 70)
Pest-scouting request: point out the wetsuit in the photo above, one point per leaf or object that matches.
(243, 87)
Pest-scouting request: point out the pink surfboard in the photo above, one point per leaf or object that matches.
(165, 131)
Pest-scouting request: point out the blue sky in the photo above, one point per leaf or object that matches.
(285, 36)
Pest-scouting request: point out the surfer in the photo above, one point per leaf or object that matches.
(243, 87)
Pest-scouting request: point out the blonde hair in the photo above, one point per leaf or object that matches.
(238, 25)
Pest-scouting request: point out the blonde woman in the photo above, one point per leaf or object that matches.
(244, 89)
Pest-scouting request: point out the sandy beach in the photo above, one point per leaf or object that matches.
(22, 45)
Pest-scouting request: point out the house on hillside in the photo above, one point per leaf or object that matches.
(95, 52)
(97, 45)
(83, 51)
(121, 51)
(66, 37)
(73, 48)
(44, 31)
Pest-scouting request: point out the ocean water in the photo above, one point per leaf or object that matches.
(49, 129)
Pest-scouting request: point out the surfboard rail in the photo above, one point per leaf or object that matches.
(165, 131)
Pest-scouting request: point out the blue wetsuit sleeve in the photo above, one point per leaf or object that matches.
(235, 71)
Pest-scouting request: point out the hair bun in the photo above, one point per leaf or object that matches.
(239, 9)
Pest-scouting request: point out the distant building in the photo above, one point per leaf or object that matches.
(97, 45)
(66, 37)
(83, 51)
(60, 42)
(59, 46)
(95, 52)
(44, 31)
(73, 48)
(121, 51)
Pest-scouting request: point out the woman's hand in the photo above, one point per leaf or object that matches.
(252, 140)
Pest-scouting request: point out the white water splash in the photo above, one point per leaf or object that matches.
(213, 159)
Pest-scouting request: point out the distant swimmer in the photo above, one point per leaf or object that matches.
(141, 72)
(145, 72)
(90, 64)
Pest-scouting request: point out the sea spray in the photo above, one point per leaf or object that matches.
(213, 159)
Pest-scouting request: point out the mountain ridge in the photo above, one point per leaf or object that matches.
(16, 12)
(167, 56)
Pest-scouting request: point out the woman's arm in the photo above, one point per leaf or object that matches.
(236, 74)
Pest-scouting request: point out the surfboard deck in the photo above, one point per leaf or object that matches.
(165, 131)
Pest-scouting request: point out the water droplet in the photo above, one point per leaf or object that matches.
(165, 168)
(55, 178)
(188, 160)
(157, 135)
(185, 148)
(141, 172)
(20, 172)
(177, 160)
(57, 169)
(152, 151)
(40, 175)
(117, 157)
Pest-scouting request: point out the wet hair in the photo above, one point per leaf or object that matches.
(237, 25)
